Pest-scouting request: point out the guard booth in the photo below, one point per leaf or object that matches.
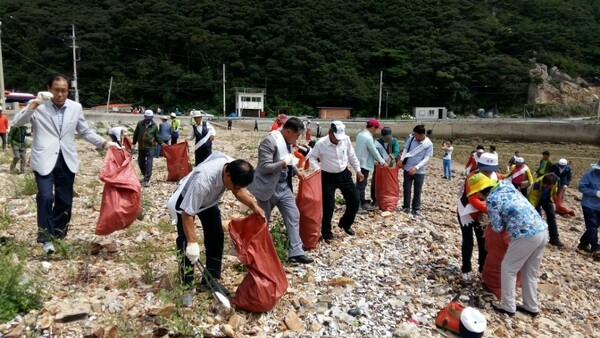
(430, 113)
(250, 101)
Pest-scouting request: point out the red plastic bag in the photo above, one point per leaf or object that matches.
(562, 209)
(310, 204)
(496, 244)
(127, 144)
(387, 190)
(265, 282)
(122, 194)
(178, 162)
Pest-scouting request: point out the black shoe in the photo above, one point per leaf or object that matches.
(368, 207)
(406, 210)
(585, 248)
(556, 242)
(501, 310)
(596, 255)
(524, 310)
(327, 238)
(349, 231)
(300, 259)
(416, 212)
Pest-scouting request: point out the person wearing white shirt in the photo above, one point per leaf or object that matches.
(418, 149)
(203, 133)
(117, 133)
(447, 158)
(335, 152)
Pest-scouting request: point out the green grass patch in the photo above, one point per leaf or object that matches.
(280, 239)
(19, 292)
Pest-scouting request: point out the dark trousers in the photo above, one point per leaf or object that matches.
(548, 207)
(330, 182)
(174, 140)
(159, 147)
(362, 185)
(54, 201)
(467, 245)
(373, 196)
(416, 180)
(145, 162)
(590, 236)
(201, 154)
(213, 245)
(3, 136)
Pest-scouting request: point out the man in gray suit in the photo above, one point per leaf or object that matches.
(272, 185)
(54, 160)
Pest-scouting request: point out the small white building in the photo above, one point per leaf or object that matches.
(250, 101)
(430, 113)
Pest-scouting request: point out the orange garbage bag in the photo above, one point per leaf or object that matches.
(178, 162)
(265, 283)
(310, 204)
(496, 244)
(561, 208)
(387, 189)
(127, 144)
(122, 194)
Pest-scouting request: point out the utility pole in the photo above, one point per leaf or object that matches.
(75, 59)
(380, 89)
(387, 94)
(2, 93)
(224, 90)
(109, 90)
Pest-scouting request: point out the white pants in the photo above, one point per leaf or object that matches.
(525, 255)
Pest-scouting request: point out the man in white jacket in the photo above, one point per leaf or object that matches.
(54, 160)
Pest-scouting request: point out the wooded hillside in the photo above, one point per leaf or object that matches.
(459, 54)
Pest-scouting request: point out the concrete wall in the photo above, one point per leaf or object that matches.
(521, 130)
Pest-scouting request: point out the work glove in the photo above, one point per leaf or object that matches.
(598, 193)
(288, 159)
(43, 97)
(465, 172)
(192, 252)
(113, 144)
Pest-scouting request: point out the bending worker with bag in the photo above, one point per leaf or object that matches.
(198, 194)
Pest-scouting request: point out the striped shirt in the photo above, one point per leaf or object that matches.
(60, 114)
(205, 187)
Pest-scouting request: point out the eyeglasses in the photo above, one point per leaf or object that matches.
(59, 90)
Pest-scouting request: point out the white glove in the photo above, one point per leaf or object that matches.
(288, 159)
(598, 193)
(113, 144)
(192, 252)
(43, 97)
(465, 172)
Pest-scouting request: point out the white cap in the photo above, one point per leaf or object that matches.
(148, 114)
(473, 320)
(488, 162)
(519, 160)
(338, 129)
(173, 115)
(563, 162)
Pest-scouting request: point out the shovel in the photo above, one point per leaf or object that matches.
(219, 296)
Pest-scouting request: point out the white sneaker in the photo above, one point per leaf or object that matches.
(467, 276)
(48, 247)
